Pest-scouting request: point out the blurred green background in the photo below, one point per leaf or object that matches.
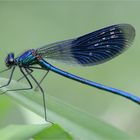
(26, 25)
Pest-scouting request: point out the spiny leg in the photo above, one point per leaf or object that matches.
(40, 68)
(30, 72)
(24, 76)
(44, 102)
(29, 68)
(5, 70)
(28, 81)
(41, 80)
(10, 78)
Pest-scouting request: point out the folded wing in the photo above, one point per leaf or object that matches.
(93, 48)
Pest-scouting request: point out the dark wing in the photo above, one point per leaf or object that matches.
(93, 48)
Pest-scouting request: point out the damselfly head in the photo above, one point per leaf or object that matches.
(9, 61)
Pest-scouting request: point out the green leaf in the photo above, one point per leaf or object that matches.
(36, 132)
(78, 123)
(53, 133)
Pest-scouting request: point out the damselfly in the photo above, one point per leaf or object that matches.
(88, 50)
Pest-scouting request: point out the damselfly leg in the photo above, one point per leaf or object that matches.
(24, 76)
(10, 78)
(42, 91)
(27, 79)
(30, 71)
(36, 88)
(5, 70)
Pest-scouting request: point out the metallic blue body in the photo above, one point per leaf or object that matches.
(48, 66)
(88, 50)
(26, 59)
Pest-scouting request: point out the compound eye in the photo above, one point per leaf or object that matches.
(9, 60)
